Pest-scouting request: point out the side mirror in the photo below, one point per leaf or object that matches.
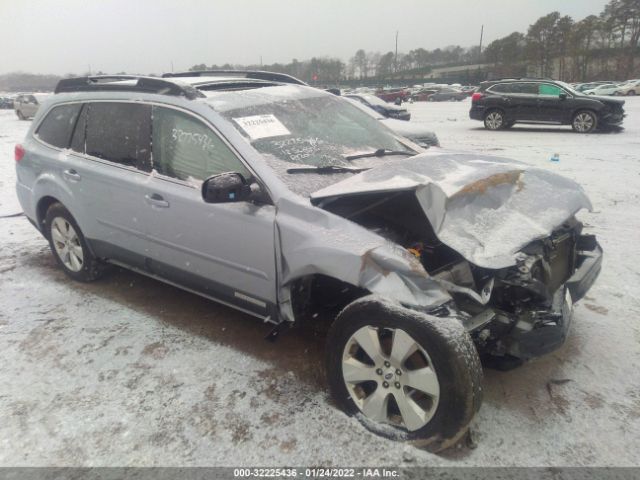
(563, 96)
(226, 188)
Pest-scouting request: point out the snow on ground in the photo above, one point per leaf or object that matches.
(128, 371)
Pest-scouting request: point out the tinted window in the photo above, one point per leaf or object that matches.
(57, 126)
(185, 148)
(119, 132)
(500, 88)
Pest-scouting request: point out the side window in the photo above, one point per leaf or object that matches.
(186, 149)
(57, 126)
(550, 90)
(525, 88)
(119, 132)
(501, 88)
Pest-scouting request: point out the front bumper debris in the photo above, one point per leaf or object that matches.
(545, 331)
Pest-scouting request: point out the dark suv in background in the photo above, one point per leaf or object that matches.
(502, 103)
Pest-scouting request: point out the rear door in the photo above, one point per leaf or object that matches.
(225, 250)
(524, 98)
(107, 168)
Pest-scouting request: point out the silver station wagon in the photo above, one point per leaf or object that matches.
(292, 205)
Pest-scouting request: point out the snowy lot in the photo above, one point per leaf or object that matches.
(129, 371)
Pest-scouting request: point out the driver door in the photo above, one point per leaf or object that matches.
(225, 251)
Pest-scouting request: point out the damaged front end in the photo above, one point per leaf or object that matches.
(500, 238)
(531, 303)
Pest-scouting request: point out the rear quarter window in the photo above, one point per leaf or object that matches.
(57, 127)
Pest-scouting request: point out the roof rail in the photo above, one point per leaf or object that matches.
(119, 83)
(252, 74)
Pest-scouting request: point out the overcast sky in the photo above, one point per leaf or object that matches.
(145, 36)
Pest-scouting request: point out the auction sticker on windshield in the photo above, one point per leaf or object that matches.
(262, 126)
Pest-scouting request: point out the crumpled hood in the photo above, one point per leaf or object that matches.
(486, 208)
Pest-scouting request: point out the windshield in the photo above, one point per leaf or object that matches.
(319, 131)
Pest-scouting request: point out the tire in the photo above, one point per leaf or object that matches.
(584, 121)
(20, 115)
(444, 347)
(631, 93)
(430, 99)
(494, 120)
(64, 235)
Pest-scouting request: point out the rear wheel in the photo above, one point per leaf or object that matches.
(20, 115)
(404, 374)
(69, 246)
(584, 121)
(631, 93)
(494, 120)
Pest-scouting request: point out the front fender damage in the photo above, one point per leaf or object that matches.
(316, 242)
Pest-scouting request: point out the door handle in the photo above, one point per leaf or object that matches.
(156, 200)
(72, 175)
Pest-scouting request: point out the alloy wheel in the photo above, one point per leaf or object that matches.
(583, 122)
(494, 120)
(390, 377)
(67, 244)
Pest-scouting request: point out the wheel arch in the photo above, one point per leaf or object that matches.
(318, 298)
(43, 205)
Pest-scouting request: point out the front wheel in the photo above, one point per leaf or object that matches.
(494, 120)
(69, 246)
(406, 375)
(584, 122)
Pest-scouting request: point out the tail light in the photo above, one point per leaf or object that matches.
(18, 152)
(476, 96)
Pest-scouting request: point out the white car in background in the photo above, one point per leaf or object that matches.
(632, 87)
(606, 89)
(26, 104)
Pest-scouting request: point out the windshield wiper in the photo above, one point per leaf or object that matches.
(325, 169)
(381, 152)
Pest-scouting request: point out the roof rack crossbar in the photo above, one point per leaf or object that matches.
(252, 74)
(112, 83)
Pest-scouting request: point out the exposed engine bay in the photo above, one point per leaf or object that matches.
(501, 308)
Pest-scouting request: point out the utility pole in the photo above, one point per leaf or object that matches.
(260, 61)
(395, 60)
(481, 33)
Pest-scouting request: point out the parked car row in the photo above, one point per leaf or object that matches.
(628, 88)
(428, 92)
